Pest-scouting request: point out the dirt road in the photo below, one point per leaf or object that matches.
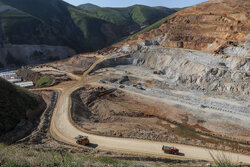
(62, 129)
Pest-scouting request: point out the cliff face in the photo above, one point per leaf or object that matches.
(196, 70)
(210, 26)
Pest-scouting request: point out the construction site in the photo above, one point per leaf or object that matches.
(116, 98)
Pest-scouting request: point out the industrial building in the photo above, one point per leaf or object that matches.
(8, 75)
(12, 77)
(25, 84)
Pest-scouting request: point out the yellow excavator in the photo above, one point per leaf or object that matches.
(83, 140)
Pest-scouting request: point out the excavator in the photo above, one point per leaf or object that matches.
(83, 140)
(170, 150)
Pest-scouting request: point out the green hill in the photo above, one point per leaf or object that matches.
(137, 14)
(53, 13)
(57, 23)
(14, 104)
(88, 6)
(33, 30)
(149, 28)
(179, 9)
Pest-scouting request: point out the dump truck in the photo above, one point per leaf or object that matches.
(170, 150)
(83, 140)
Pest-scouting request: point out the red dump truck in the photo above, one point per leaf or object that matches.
(170, 150)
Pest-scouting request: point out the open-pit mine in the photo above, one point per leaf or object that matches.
(185, 84)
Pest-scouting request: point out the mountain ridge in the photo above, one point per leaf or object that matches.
(88, 6)
(65, 25)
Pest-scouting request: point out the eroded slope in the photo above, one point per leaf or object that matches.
(209, 26)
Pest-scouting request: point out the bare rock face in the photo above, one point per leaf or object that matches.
(204, 47)
(222, 74)
(210, 26)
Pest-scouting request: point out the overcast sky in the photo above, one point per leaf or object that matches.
(125, 3)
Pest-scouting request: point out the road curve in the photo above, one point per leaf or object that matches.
(63, 130)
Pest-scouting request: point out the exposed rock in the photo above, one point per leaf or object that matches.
(228, 75)
(204, 27)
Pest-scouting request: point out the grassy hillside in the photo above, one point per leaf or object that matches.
(137, 14)
(34, 31)
(30, 156)
(88, 6)
(55, 14)
(149, 28)
(91, 28)
(179, 9)
(14, 104)
(55, 22)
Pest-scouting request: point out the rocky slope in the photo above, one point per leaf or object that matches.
(197, 70)
(210, 26)
(219, 30)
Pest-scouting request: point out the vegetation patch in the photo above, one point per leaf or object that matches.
(45, 81)
(14, 104)
(28, 75)
(36, 77)
(221, 160)
(31, 156)
(149, 28)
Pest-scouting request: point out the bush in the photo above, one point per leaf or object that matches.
(221, 160)
(45, 81)
(28, 75)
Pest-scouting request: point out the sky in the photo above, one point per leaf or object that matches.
(125, 3)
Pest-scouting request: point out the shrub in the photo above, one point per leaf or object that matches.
(45, 81)
(221, 160)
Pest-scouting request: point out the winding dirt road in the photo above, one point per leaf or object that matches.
(62, 129)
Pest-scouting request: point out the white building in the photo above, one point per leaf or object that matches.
(25, 84)
(8, 75)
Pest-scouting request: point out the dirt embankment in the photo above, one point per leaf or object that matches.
(209, 26)
(76, 65)
(111, 112)
(125, 60)
(41, 132)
